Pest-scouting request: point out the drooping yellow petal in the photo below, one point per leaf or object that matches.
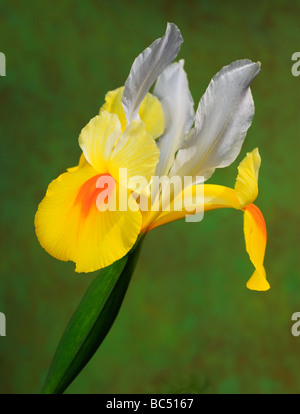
(214, 197)
(137, 152)
(98, 138)
(70, 226)
(256, 239)
(150, 112)
(246, 183)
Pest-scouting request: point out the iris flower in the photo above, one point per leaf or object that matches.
(155, 134)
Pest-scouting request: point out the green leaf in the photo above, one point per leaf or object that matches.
(91, 322)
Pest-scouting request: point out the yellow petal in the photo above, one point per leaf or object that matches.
(69, 225)
(98, 138)
(256, 239)
(150, 112)
(113, 105)
(137, 152)
(215, 197)
(246, 183)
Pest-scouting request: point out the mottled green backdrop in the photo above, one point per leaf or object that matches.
(188, 323)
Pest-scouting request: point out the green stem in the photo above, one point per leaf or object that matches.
(91, 321)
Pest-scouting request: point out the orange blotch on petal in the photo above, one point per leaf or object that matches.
(89, 192)
(70, 225)
(256, 239)
(258, 217)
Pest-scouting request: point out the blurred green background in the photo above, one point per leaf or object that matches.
(188, 323)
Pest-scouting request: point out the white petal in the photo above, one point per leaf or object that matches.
(223, 117)
(147, 67)
(172, 90)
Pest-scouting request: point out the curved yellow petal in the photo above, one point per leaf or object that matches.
(214, 197)
(70, 226)
(256, 239)
(150, 112)
(98, 138)
(137, 152)
(246, 183)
